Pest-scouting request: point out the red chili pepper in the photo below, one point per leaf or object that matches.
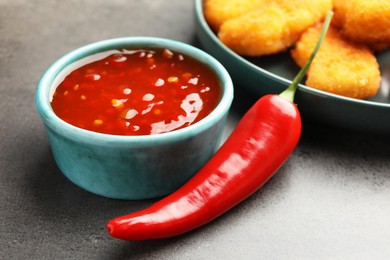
(259, 145)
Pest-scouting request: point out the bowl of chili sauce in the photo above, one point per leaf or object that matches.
(135, 117)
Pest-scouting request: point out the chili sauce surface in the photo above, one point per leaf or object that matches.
(137, 92)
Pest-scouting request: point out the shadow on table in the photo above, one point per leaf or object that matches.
(61, 206)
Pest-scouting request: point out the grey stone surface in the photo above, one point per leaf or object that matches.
(331, 200)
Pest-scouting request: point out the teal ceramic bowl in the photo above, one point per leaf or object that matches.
(131, 167)
(272, 74)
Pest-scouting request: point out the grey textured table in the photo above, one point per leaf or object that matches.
(331, 200)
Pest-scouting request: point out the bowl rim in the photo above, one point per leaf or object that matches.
(302, 87)
(76, 134)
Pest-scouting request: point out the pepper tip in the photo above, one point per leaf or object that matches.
(110, 228)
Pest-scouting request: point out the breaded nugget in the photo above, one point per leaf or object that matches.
(218, 11)
(273, 27)
(340, 66)
(256, 33)
(364, 21)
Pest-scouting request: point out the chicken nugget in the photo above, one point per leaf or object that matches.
(272, 28)
(256, 33)
(340, 66)
(218, 11)
(364, 21)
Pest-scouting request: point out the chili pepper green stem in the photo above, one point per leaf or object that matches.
(289, 93)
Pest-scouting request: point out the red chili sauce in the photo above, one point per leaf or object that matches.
(137, 92)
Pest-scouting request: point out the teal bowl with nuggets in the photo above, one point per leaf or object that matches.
(272, 74)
